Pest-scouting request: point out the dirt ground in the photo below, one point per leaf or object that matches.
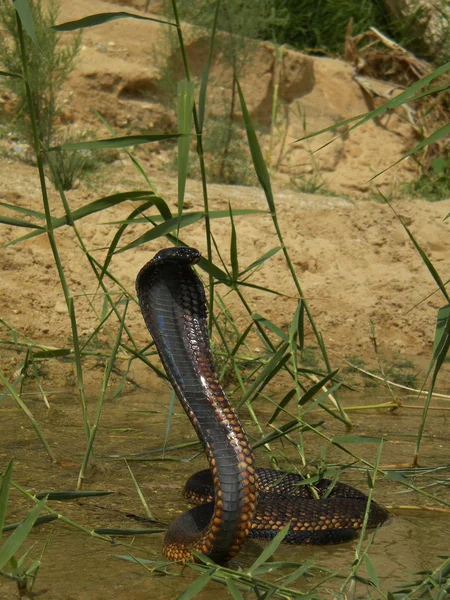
(354, 260)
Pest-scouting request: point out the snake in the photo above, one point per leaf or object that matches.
(233, 498)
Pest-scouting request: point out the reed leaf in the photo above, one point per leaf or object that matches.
(197, 585)
(162, 229)
(262, 259)
(117, 142)
(28, 414)
(270, 549)
(23, 10)
(19, 223)
(4, 493)
(185, 97)
(102, 18)
(8, 74)
(19, 535)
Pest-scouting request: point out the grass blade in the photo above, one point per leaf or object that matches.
(205, 74)
(117, 142)
(39, 521)
(258, 160)
(214, 271)
(234, 259)
(356, 439)
(17, 538)
(423, 256)
(20, 223)
(27, 412)
(131, 532)
(270, 326)
(282, 431)
(23, 10)
(283, 403)
(4, 493)
(407, 96)
(8, 74)
(316, 388)
(116, 239)
(197, 585)
(214, 214)
(147, 510)
(72, 495)
(262, 259)
(185, 96)
(94, 207)
(270, 549)
(106, 376)
(25, 211)
(101, 18)
(431, 139)
(163, 229)
(234, 591)
(270, 370)
(440, 351)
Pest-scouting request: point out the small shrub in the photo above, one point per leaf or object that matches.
(71, 166)
(434, 182)
(309, 358)
(311, 184)
(232, 165)
(49, 66)
(403, 372)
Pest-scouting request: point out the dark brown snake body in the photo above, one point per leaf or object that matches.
(237, 499)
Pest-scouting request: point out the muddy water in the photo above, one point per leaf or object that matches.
(79, 567)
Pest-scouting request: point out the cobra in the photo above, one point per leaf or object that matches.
(235, 499)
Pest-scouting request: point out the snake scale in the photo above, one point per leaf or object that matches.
(235, 499)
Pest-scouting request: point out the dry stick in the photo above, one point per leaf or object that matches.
(391, 405)
(410, 507)
(403, 387)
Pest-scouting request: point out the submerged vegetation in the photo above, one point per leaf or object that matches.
(311, 384)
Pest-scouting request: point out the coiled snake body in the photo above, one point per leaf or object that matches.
(237, 499)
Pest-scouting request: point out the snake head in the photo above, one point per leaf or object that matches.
(181, 255)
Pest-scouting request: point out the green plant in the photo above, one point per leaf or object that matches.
(21, 570)
(433, 183)
(320, 26)
(403, 371)
(49, 65)
(310, 184)
(71, 166)
(309, 357)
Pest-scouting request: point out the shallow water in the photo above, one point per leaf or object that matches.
(77, 566)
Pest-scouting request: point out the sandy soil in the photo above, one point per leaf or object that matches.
(354, 260)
